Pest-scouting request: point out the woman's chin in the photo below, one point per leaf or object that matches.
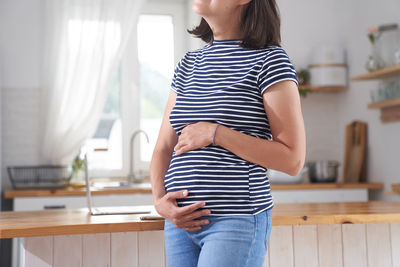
(199, 7)
(196, 9)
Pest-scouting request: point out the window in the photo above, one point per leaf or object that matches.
(105, 147)
(156, 59)
(139, 91)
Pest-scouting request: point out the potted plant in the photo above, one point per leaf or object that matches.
(78, 171)
(303, 75)
(374, 62)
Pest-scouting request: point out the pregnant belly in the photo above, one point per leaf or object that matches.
(218, 180)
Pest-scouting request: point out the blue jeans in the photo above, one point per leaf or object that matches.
(227, 241)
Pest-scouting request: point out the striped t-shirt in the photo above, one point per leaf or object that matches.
(223, 83)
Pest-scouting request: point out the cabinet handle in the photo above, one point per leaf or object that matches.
(53, 207)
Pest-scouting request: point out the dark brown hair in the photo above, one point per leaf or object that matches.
(260, 22)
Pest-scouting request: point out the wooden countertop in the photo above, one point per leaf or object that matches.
(78, 221)
(145, 188)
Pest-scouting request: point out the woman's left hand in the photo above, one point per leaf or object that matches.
(195, 135)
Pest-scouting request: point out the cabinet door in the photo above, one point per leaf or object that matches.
(41, 203)
(77, 202)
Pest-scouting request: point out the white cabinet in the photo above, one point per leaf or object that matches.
(76, 202)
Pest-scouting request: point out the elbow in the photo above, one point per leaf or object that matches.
(298, 157)
(296, 166)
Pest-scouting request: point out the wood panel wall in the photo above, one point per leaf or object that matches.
(130, 249)
(335, 245)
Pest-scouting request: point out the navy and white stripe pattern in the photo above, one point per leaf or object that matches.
(223, 83)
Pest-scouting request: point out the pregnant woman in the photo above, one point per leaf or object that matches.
(233, 112)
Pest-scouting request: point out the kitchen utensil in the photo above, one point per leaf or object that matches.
(355, 152)
(323, 171)
(277, 177)
(396, 188)
(43, 176)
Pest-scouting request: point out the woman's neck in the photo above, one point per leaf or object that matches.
(226, 28)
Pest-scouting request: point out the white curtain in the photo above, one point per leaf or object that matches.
(84, 41)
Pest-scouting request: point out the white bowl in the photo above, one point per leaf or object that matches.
(277, 177)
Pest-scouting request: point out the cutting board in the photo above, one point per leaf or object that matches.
(355, 152)
(396, 188)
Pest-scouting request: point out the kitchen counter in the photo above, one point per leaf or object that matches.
(78, 221)
(145, 188)
(303, 234)
(75, 221)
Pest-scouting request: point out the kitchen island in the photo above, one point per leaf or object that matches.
(108, 192)
(303, 234)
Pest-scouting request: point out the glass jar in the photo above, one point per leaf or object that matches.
(374, 95)
(397, 55)
(78, 175)
(388, 44)
(397, 88)
(387, 89)
(374, 61)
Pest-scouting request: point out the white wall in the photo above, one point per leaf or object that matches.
(20, 30)
(383, 140)
(327, 114)
(304, 24)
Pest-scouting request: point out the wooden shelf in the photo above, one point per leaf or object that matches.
(322, 88)
(390, 108)
(385, 103)
(379, 74)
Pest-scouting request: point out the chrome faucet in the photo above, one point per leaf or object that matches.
(131, 175)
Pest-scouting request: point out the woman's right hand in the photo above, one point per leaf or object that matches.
(181, 217)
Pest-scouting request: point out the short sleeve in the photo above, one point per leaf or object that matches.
(174, 84)
(275, 68)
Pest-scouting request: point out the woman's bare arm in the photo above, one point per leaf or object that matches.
(162, 154)
(286, 152)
